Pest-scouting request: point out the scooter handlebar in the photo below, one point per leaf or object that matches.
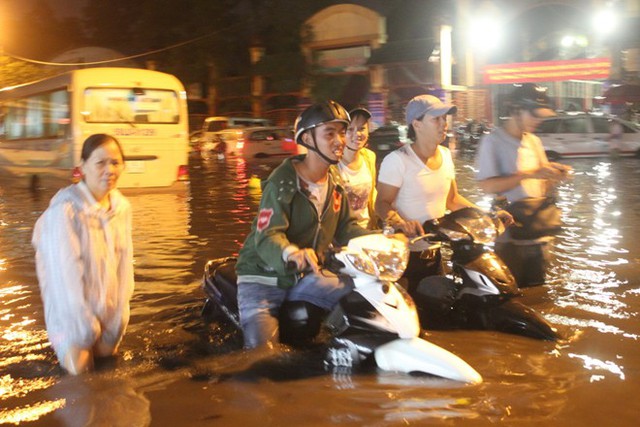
(427, 236)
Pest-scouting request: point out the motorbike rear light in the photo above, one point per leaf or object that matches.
(183, 173)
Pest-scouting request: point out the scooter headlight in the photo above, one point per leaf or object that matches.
(362, 263)
(378, 256)
(390, 265)
(482, 229)
(454, 236)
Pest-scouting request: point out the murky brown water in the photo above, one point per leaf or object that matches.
(176, 370)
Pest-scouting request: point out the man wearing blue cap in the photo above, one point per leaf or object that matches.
(417, 182)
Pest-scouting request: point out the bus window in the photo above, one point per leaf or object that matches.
(124, 105)
(44, 115)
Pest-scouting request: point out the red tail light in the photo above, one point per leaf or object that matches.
(183, 173)
(76, 175)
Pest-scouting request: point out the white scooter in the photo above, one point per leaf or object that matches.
(376, 323)
(380, 317)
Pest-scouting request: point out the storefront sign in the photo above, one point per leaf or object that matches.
(548, 71)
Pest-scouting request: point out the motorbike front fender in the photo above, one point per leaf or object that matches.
(516, 318)
(418, 355)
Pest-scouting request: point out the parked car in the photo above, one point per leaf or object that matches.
(587, 135)
(251, 142)
(213, 126)
(387, 138)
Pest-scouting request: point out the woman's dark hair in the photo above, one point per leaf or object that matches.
(95, 141)
(360, 112)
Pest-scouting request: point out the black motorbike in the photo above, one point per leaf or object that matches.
(478, 291)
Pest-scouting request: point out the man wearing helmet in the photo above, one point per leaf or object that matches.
(302, 210)
(511, 163)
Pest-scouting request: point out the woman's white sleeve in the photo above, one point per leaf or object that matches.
(125, 270)
(61, 273)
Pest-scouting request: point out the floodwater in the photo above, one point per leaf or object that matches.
(176, 370)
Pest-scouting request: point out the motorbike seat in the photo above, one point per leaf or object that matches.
(227, 281)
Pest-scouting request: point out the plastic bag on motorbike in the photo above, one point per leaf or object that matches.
(534, 217)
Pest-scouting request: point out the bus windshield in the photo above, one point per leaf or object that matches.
(130, 105)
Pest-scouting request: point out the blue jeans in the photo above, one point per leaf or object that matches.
(259, 304)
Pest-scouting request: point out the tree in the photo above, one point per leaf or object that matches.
(35, 35)
(14, 72)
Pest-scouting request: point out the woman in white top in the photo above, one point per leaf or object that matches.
(84, 259)
(417, 182)
(358, 169)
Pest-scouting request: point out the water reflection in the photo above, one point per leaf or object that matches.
(175, 369)
(591, 364)
(99, 402)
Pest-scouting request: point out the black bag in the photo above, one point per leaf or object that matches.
(534, 217)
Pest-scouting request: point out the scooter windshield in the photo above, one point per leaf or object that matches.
(380, 256)
(481, 229)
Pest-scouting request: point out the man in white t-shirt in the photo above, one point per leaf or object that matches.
(417, 182)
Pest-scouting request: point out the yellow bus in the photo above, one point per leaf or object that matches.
(43, 125)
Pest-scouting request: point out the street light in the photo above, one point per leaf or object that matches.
(605, 21)
(485, 33)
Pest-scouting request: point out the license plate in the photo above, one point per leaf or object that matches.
(135, 166)
(383, 147)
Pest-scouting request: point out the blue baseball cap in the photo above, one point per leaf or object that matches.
(427, 105)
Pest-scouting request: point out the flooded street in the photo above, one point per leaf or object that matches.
(176, 370)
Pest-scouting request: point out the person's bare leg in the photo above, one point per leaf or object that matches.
(104, 349)
(77, 360)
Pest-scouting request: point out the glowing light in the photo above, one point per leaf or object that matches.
(11, 388)
(605, 21)
(591, 363)
(567, 41)
(30, 412)
(484, 33)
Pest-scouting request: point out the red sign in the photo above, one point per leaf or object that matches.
(337, 200)
(548, 71)
(264, 218)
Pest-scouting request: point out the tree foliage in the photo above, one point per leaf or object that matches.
(14, 72)
(200, 41)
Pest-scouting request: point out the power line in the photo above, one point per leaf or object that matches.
(107, 61)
